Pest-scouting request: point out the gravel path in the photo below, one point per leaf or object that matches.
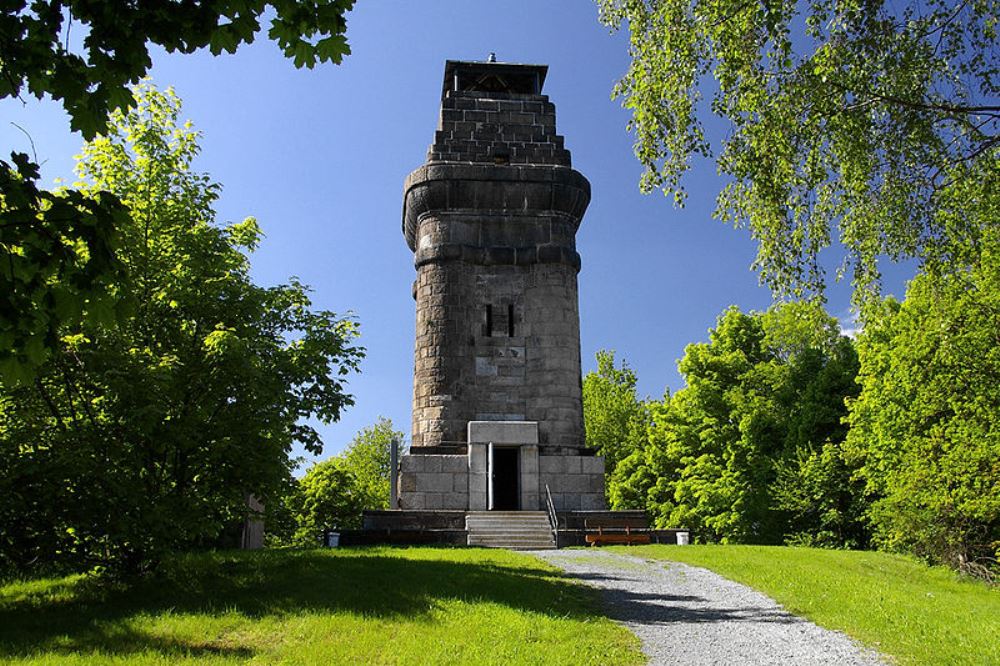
(686, 615)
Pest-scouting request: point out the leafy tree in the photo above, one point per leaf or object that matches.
(614, 417)
(763, 402)
(334, 492)
(875, 119)
(146, 434)
(58, 264)
(326, 500)
(367, 461)
(925, 425)
(39, 59)
(58, 252)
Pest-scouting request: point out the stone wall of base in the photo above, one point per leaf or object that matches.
(576, 482)
(413, 520)
(459, 482)
(434, 482)
(403, 537)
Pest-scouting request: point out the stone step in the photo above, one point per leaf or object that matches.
(507, 528)
(493, 516)
(505, 525)
(515, 546)
(523, 544)
(520, 530)
(515, 514)
(498, 536)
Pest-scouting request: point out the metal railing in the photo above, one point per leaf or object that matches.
(553, 518)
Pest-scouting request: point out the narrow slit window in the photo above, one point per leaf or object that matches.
(510, 321)
(489, 321)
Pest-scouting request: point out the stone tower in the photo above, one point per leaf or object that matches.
(491, 218)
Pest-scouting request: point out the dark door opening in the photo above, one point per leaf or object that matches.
(506, 479)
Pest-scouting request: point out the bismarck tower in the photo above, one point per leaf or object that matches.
(491, 218)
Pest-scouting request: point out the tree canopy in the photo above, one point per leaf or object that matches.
(925, 427)
(58, 253)
(146, 434)
(38, 54)
(334, 492)
(750, 449)
(367, 460)
(874, 123)
(614, 417)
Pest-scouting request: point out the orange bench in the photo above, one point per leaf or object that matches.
(629, 531)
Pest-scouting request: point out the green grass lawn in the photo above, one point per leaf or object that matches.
(364, 606)
(917, 614)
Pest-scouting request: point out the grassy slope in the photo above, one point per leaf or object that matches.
(918, 614)
(372, 606)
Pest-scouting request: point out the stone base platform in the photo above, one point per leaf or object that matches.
(460, 482)
(431, 479)
(403, 527)
(407, 528)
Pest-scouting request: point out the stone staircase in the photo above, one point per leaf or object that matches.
(518, 530)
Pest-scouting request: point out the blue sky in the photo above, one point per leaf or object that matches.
(319, 157)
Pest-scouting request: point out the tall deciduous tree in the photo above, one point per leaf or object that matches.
(761, 411)
(333, 493)
(146, 434)
(325, 500)
(614, 417)
(58, 253)
(925, 426)
(872, 120)
(367, 461)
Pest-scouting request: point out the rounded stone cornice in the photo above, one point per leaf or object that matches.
(497, 256)
(482, 189)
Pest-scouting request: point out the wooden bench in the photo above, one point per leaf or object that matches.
(628, 531)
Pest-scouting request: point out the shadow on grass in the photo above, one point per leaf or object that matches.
(93, 619)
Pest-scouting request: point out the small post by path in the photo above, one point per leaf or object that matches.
(394, 473)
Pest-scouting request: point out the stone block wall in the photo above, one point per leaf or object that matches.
(492, 219)
(497, 128)
(434, 482)
(497, 318)
(463, 373)
(576, 482)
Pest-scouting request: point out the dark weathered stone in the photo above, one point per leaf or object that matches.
(491, 219)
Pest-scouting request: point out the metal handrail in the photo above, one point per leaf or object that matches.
(553, 518)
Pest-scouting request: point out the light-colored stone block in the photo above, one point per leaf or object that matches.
(592, 464)
(552, 465)
(576, 483)
(570, 501)
(454, 501)
(435, 482)
(478, 497)
(415, 500)
(478, 458)
(529, 459)
(503, 432)
(454, 464)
